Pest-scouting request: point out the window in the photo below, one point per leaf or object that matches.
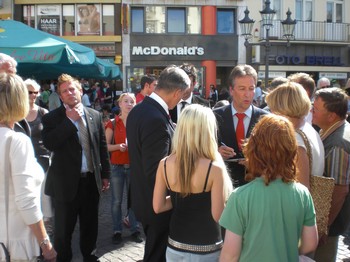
(68, 17)
(29, 15)
(303, 10)
(277, 6)
(137, 20)
(155, 19)
(48, 18)
(108, 23)
(225, 21)
(335, 11)
(193, 20)
(176, 20)
(89, 19)
(161, 20)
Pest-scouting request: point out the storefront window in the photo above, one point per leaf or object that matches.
(225, 21)
(29, 15)
(88, 19)
(48, 19)
(68, 25)
(176, 20)
(108, 20)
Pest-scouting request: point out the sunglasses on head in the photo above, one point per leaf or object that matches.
(33, 92)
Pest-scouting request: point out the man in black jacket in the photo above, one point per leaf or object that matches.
(149, 131)
(242, 82)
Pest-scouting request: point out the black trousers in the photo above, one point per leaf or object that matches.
(157, 233)
(85, 207)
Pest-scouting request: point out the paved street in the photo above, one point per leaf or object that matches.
(130, 251)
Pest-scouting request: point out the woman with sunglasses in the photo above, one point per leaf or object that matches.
(34, 119)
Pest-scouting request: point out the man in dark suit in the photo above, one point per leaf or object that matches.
(189, 97)
(242, 82)
(79, 171)
(149, 132)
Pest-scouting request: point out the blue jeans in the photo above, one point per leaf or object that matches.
(120, 177)
(173, 255)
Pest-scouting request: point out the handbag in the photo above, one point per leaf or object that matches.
(7, 172)
(321, 189)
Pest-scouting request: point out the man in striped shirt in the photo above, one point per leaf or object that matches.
(329, 113)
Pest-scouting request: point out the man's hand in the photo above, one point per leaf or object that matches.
(74, 113)
(105, 184)
(226, 152)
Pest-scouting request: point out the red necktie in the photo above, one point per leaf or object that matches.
(240, 129)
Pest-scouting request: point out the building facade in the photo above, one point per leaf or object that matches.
(175, 32)
(321, 46)
(207, 34)
(95, 24)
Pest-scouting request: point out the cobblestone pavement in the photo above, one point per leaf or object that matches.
(130, 251)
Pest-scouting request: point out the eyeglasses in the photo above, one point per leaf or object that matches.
(33, 92)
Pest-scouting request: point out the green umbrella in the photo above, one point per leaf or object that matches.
(44, 56)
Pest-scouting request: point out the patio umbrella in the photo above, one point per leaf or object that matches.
(44, 56)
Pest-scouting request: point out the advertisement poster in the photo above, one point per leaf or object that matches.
(49, 19)
(88, 19)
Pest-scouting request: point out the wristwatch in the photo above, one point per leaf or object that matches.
(45, 242)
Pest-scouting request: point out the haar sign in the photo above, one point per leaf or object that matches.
(168, 51)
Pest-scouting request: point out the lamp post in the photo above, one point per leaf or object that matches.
(267, 15)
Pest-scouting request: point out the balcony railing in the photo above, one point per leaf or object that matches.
(312, 31)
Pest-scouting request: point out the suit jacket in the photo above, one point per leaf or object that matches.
(195, 100)
(149, 132)
(61, 137)
(227, 135)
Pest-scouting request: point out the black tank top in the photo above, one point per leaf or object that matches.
(191, 221)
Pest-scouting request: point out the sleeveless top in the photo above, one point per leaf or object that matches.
(192, 222)
(36, 127)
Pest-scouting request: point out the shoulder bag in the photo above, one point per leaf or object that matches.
(321, 189)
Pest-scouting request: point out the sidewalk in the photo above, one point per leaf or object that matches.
(130, 251)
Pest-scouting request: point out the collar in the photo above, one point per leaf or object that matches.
(248, 112)
(188, 100)
(160, 101)
(325, 133)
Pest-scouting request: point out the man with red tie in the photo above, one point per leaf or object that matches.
(236, 121)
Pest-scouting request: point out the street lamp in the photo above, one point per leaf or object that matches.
(267, 15)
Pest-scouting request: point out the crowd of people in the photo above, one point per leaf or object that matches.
(224, 179)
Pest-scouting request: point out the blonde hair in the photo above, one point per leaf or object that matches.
(271, 150)
(14, 101)
(30, 82)
(289, 99)
(126, 94)
(64, 78)
(196, 137)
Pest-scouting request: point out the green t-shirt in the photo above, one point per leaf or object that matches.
(269, 219)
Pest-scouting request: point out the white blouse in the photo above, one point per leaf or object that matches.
(24, 190)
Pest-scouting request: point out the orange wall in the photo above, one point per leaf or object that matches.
(209, 28)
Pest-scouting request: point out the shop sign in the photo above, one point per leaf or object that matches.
(168, 51)
(102, 49)
(309, 60)
(330, 75)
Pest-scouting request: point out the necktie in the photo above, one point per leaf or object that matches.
(240, 129)
(85, 143)
(183, 105)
